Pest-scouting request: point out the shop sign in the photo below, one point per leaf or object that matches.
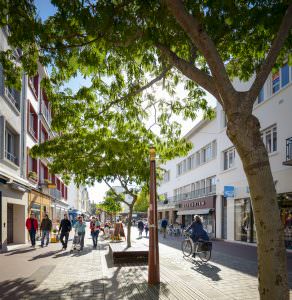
(229, 191)
(194, 204)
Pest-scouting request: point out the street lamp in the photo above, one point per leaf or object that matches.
(153, 259)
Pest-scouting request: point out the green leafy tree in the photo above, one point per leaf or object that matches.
(93, 208)
(134, 44)
(111, 203)
(142, 203)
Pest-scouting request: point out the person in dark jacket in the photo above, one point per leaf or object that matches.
(164, 224)
(140, 228)
(65, 228)
(198, 231)
(32, 227)
(46, 227)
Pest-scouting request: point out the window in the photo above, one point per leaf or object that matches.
(13, 96)
(269, 137)
(228, 158)
(275, 82)
(166, 176)
(190, 162)
(284, 75)
(44, 135)
(32, 122)
(198, 158)
(210, 184)
(184, 166)
(11, 146)
(261, 96)
(179, 169)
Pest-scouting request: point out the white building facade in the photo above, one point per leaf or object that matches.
(214, 170)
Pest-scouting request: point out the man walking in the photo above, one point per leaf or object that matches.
(46, 227)
(65, 228)
(32, 227)
(164, 226)
(140, 228)
(80, 229)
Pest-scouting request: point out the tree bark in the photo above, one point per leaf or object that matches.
(244, 131)
(129, 226)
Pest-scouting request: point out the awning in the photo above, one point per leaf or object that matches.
(203, 211)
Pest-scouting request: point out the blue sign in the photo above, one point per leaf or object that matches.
(228, 191)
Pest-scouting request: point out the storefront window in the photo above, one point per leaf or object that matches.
(36, 209)
(285, 204)
(242, 220)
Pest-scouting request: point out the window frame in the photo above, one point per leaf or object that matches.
(226, 158)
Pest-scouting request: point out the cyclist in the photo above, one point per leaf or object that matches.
(198, 231)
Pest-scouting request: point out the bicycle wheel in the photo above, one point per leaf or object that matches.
(204, 255)
(186, 247)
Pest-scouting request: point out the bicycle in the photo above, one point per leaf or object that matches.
(202, 248)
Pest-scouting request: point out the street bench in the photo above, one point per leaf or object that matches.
(135, 254)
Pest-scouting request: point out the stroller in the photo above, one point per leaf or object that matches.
(76, 245)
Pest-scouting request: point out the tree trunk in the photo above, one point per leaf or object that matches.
(244, 131)
(129, 225)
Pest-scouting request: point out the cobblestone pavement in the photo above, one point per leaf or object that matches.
(52, 274)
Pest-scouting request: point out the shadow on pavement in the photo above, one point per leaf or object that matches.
(207, 269)
(19, 251)
(44, 255)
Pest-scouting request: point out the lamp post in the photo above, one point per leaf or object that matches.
(153, 259)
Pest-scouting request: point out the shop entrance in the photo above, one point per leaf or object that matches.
(224, 218)
(9, 223)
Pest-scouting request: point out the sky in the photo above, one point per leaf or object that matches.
(97, 192)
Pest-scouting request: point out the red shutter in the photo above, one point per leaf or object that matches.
(46, 173)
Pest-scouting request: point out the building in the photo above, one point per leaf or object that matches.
(210, 180)
(13, 184)
(25, 183)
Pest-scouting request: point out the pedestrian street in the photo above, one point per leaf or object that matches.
(50, 273)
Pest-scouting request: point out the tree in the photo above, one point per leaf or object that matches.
(204, 43)
(93, 208)
(142, 203)
(111, 203)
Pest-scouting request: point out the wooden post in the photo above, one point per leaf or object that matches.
(153, 259)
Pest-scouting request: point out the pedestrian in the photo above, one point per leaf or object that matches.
(46, 227)
(146, 229)
(95, 229)
(164, 226)
(198, 231)
(140, 228)
(65, 228)
(32, 227)
(80, 227)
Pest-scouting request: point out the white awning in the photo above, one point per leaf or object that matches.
(203, 211)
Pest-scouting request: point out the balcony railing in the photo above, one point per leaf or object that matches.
(46, 113)
(288, 152)
(11, 157)
(11, 97)
(55, 194)
(207, 191)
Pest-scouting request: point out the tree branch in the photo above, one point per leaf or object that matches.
(205, 45)
(271, 58)
(116, 194)
(189, 70)
(136, 92)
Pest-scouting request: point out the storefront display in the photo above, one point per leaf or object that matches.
(244, 228)
(285, 204)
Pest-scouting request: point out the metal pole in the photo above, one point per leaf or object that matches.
(153, 259)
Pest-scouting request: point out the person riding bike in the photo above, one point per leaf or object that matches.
(198, 231)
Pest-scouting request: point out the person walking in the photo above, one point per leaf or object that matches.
(32, 227)
(65, 228)
(94, 228)
(140, 228)
(146, 229)
(46, 227)
(164, 226)
(80, 227)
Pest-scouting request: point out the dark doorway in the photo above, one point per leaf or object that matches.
(224, 218)
(9, 223)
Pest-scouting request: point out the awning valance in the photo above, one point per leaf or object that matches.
(203, 211)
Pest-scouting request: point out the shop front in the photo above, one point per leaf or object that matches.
(204, 207)
(285, 205)
(39, 204)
